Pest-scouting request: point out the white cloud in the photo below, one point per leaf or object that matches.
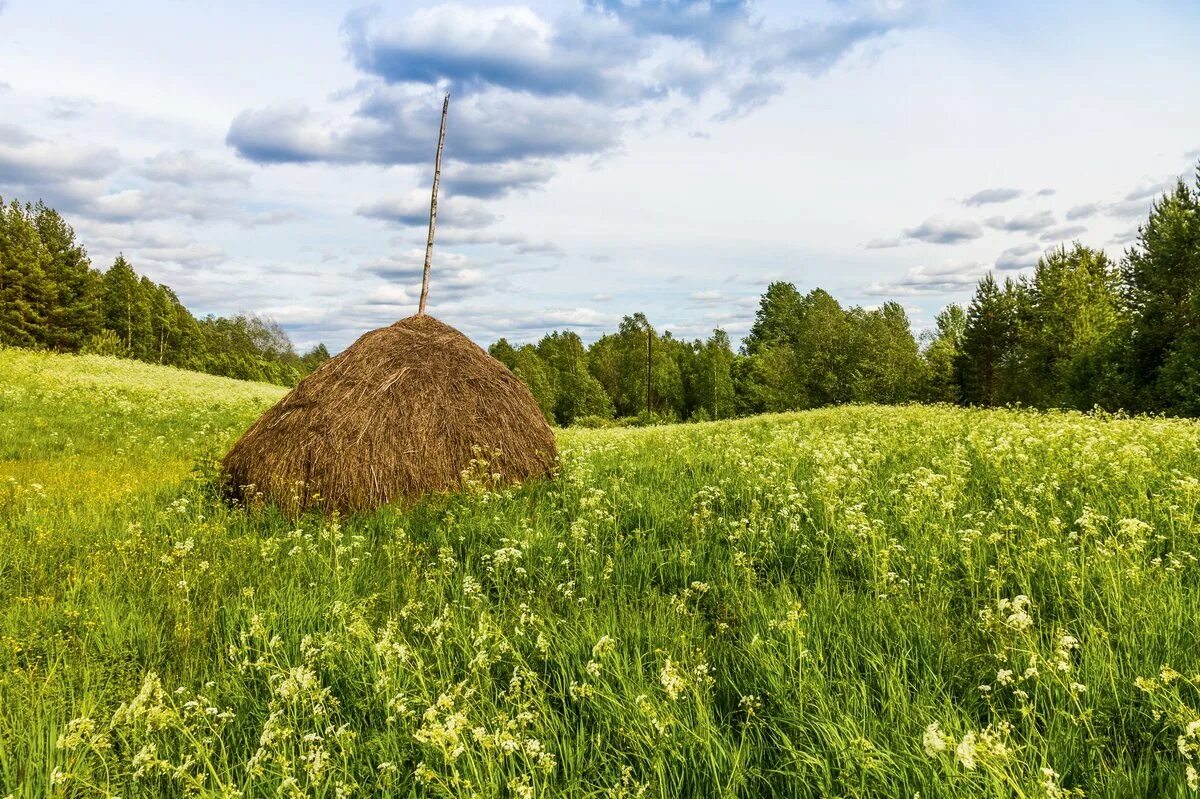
(945, 230)
(991, 196)
(949, 278)
(186, 168)
(1031, 222)
(1021, 256)
(454, 213)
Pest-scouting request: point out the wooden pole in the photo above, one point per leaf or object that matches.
(649, 353)
(437, 177)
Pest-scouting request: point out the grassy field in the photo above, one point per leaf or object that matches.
(861, 601)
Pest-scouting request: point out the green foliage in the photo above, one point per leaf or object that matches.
(712, 381)
(807, 351)
(988, 339)
(1071, 311)
(623, 361)
(943, 356)
(316, 356)
(24, 287)
(107, 343)
(852, 602)
(1082, 332)
(530, 367)
(887, 363)
(1162, 275)
(50, 297)
(73, 312)
(576, 392)
(777, 313)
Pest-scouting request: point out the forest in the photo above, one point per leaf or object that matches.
(1081, 331)
(52, 298)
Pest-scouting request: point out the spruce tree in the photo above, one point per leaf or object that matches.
(1162, 278)
(24, 288)
(121, 301)
(987, 340)
(73, 313)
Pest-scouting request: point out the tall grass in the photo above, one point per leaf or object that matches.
(859, 601)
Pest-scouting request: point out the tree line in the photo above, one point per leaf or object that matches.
(1081, 331)
(1084, 331)
(52, 298)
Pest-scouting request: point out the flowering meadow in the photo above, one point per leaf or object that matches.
(852, 602)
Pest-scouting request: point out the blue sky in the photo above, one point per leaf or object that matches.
(603, 157)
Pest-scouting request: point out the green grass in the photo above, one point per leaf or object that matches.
(778, 606)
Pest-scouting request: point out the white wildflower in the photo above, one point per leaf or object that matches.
(933, 740)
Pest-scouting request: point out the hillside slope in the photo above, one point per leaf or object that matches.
(858, 601)
(90, 426)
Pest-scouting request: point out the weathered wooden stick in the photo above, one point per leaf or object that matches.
(437, 177)
(649, 362)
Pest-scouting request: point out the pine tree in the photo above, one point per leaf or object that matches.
(1074, 308)
(24, 288)
(73, 313)
(987, 341)
(121, 301)
(1162, 278)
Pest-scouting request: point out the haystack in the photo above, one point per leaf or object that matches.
(399, 414)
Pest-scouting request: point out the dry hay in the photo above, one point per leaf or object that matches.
(402, 412)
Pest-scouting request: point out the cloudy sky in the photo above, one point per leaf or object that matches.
(603, 156)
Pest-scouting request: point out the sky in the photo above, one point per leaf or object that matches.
(602, 157)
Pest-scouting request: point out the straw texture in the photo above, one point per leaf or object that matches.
(402, 412)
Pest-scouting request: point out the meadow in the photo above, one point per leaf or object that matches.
(861, 601)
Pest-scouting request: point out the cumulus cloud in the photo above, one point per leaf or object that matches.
(1023, 223)
(77, 179)
(452, 277)
(454, 213)
(511, 47)
(1137, 202)
(949, 278)
(410, 265)
(1150, 190)
(1021, 256)
(943, 230)
(185, 168)
(884, 243)
(990, 196)
(522, 245)
(549, 318)
(1127, 236)
(67, 109)
(1083, 211)
(263, 218)
(487, 181)
(158, 251)
(397, 125)
(707, 297)
(529, 86)
(1063, 233)
(27, 160)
